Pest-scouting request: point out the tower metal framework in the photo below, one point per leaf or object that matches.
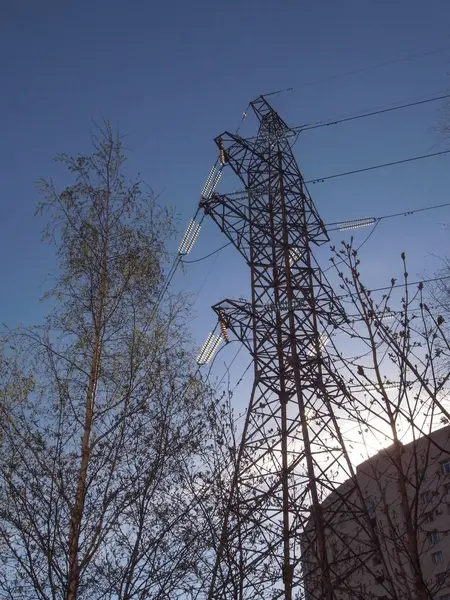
(285, 465)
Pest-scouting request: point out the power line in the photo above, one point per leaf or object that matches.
(329, 227)
(405, 213)
(170, 275)
(282, 361)
(359, 71)
(363, 243)
(365, 114)
(179, 256)
(380, 166)
(369, 112)
(189, 262)
(378, 221)
(239, 381)
(178, 259)
(322, 179)
(390, 287)
(412, 212)
(231, 364)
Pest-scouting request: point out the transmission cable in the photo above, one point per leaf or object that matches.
(334, 176)
(231, 364)
(365, 222)
(365, 114)
(390, 287)
(363, 243)
(170, 275)
(412, 212)
(179, 257)
(360, 70)
(329, 228)
(188, 262)
(369, 112)
(404, 213)
(380, 166)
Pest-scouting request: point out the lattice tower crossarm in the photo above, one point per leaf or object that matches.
(281, 475)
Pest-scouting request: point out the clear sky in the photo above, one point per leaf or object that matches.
(174, 74)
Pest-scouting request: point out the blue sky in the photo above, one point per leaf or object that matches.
(175, 74)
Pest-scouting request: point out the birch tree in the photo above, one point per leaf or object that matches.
(102, 412)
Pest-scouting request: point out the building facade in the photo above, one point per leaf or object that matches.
(388, 528)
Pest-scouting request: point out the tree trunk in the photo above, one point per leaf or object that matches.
(78, 508)
(76, 518)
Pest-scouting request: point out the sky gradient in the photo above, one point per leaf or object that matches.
(175, 74)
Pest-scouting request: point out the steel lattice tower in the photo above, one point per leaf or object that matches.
(285, 466)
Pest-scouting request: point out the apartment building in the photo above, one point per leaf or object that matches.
(372, 548)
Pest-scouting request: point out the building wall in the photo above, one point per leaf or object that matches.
(368, 550)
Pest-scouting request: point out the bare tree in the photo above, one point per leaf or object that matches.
(385, 509)
(386, 523)
(444, 121)
(103, 434)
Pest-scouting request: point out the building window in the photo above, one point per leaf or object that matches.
(425, 497)
(376, 560)
(440, 578)
(445, 597)
(370, 504)
(434, 537)
(445, 466)
(447, 489)
(437, 558)
(429, 517)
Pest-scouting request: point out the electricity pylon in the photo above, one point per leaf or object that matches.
(286, 463)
